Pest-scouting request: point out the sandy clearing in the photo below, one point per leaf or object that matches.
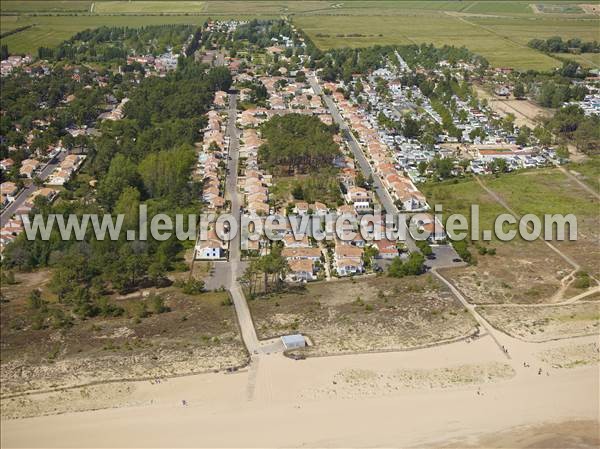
(525, 111)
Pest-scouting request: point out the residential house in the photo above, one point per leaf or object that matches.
(357, 194)
(301, 253)
(210, 249)
(301, 270)
(9, 190)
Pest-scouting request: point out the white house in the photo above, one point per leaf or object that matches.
(210, 249)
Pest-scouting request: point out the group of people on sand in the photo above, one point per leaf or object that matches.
(157, 381)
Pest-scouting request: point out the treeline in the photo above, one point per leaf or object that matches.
(15, 31)
(105, 44)
(555, 44)
(427, 55)
(297, 143)
(145, 159)
(551, 90)
(342, 63)
(571, 125)
(554, 95)
(260, 32)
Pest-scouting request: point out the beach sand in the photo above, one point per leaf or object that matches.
(456, 395)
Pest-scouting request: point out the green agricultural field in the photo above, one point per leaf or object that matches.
(154, 7)
(591, 60)
(525, 29)
(43, 6)
(497, 30)
(438, 29)
(506, 7)
(8, 23)
(268, 8)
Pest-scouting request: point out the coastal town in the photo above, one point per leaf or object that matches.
(249, 119)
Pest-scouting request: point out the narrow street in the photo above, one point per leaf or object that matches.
(234, 266)
(445, 254)
(8, 212)
(231, 270)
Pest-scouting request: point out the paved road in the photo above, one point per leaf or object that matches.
(24, 194)
(444, 253)
(234, 266)
(384, 197)
(231, 270)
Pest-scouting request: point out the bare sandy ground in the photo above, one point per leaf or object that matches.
(590, 8)
(526, 112)
(461, 394)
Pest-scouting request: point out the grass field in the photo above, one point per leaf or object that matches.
(126, 7)
(591, 60)
(551, 192)
(503, 41)
(524, 272)
(35, 6)
(558, 9)
(588, 172)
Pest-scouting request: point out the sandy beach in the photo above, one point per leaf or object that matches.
(460, 394)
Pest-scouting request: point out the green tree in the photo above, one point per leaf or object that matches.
(412, 267)
(128, 204)
(121, 174)
(167, 173)
(519, 90)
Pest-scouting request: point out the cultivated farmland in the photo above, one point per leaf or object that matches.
(125, 7)
(496, 30)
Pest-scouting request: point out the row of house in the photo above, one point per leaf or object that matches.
(159, 65)
(65, 170)
(8, 65)
(29, 168)
(400, 187)
(13, 227)
(115, 113)
(210, 169)
(254, 182)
